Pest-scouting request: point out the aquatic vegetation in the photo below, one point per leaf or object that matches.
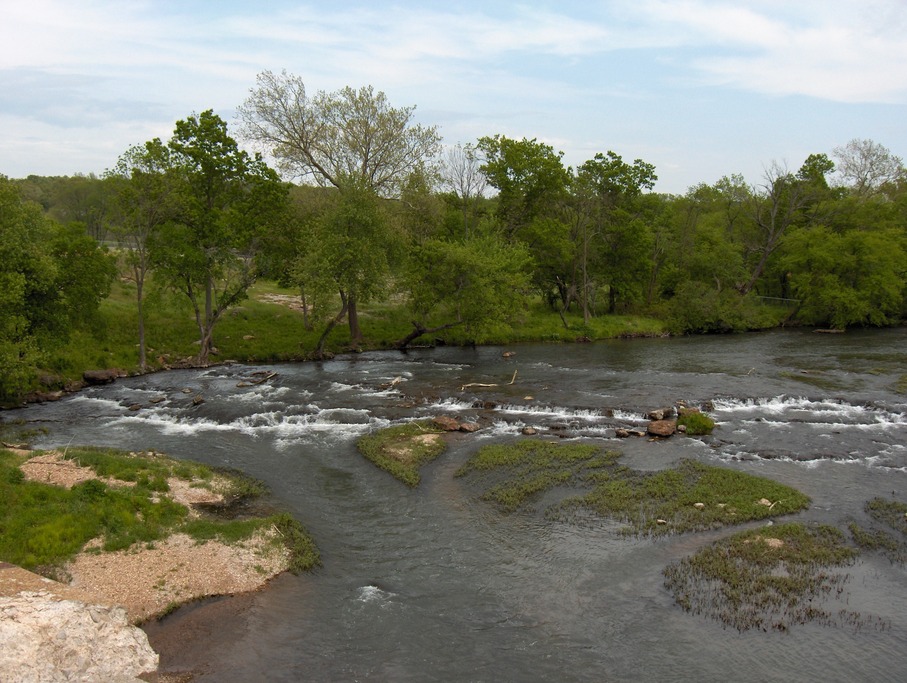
(688, 497)
(43, 525)
(889, 531)
(901, 385)
(696, 423)
(402, 449)
(769, 578)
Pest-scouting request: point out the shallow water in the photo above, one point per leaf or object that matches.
(432, 584)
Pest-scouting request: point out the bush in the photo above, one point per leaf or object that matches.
(696, 423)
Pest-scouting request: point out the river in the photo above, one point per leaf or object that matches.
(432, 584)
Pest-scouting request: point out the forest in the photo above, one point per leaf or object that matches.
(348, 203)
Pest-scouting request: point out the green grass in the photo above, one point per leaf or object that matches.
(43, 526)
(402, 449)
(688, 497)
(769, 578)
(697, 423)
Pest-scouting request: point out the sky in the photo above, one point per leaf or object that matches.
(699, 88)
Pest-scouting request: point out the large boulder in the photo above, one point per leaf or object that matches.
(662, 427)
(447, 423)
(100, 376)
(47, 640)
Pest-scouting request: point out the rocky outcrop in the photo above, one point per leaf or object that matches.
(47, 640)
(101, 376)
(450, 424)
(447, 423)
(662, 427)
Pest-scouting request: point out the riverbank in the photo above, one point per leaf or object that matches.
(118, 589)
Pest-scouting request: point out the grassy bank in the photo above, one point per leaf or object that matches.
(43, 526)
(263, 328)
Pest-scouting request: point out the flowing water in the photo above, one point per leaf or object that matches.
(432, 584)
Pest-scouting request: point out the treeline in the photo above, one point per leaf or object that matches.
(462, 236)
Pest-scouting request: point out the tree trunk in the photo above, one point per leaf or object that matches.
(419, 330)
(353, 314)
(140, 305)
(332, 323)
(208, 330)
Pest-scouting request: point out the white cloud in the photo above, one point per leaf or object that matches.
(829, 49)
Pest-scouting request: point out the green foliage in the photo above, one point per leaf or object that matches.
(476, 283)
(402, 449)
(697, 423)
(43, 525)
(529, 176)
(850, 278)
(768, 578)
(698, 308)
(303, 552)
(51, 280)
(688, 497)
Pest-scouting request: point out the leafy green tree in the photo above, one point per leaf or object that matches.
(348, 253)
(611, 190)
(51, 280)
(474, 283)
(851, 278)
(353, 140)
(529, 176)
(225, 201)
(145, 199)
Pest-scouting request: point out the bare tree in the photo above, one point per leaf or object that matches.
(335, 138)
(461, 175)
(865, 166)
(353, 140)
(775, 206)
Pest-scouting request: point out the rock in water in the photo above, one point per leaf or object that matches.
(46, 640)
(447, 423)
(662, 427)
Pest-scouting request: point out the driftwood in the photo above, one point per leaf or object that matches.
(482, 384)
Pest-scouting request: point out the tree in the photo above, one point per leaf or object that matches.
(353, 140)
(461, 175)
(611, 189)
(52, 279)
(349, 253)
(774, 208)
(474, 283)
(529, 176)
(144, 202)
(850, 278)
(866, 166)
(226, 198)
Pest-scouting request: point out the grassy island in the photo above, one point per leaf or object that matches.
(769, 578)
(688, 497)
(402, 449)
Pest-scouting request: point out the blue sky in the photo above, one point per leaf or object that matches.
(699, 88)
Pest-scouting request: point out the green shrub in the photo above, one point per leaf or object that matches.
(696, 423)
